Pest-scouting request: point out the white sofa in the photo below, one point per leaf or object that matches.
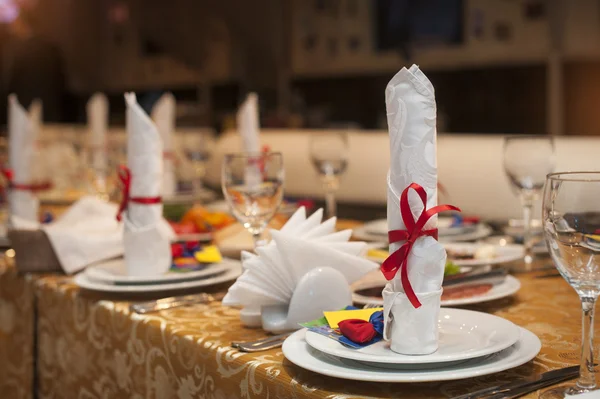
(470, 168)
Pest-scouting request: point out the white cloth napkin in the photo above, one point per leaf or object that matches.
(163, 115)
(23, 128)
(271, 276)
(97, 116)
(147, 235)
(411, 114)
(86, 233)
(248, 124)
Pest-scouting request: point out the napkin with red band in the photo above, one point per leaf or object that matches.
(415, 267)
(147, 236)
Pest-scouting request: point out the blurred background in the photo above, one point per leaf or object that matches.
(499, 66)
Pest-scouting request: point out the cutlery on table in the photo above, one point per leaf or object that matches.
(174, 302)
(523, 385)
(493, 276)
(264, 344)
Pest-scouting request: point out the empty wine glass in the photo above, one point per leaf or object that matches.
(571, 219)
(193, 153)
(329, 155)
(253, 187)
(527, 161)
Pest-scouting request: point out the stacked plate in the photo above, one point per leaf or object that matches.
(470, 344)
(377, 230)
(111, 277)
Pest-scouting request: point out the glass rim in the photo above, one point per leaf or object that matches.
(249, 155)
(558, 176)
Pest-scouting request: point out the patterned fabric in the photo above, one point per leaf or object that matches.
(93, 348)
(16, 334)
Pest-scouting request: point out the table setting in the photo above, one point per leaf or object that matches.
(423, 303)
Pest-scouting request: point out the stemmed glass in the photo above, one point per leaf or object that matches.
(571, 220)
(329, 155)
(194, 152)
(253, 187)
(527, 161)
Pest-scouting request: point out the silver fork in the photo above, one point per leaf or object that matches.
(263, 344)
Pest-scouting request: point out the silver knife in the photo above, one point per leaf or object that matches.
(567, 372)
(173, 302)
(524, 390)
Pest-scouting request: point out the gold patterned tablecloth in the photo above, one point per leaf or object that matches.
(16, 334)
(94, 348)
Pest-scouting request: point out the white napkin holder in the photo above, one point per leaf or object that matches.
(321, 289)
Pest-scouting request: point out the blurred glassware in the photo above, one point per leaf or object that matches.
(117, 155)
(253, 187)
(329, 156)
(193, 151)
(527, 161)
(571, 219)
(96, 161)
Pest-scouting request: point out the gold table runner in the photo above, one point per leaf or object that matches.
(94, 348)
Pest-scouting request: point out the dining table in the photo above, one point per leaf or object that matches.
(59, 341)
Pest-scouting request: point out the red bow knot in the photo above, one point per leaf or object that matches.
(9, 176)
(414, 229)
(125, 179)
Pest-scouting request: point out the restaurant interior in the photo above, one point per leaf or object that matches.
(299, 199)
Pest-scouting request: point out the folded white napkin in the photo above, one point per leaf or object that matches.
(411, 113)
(303, 244)
(248, 124)
(23, 128)
(163, 115)
(97, 116)
(147, 235)
(86, 233)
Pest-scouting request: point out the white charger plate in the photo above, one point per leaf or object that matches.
(463, 335)
(504, 253)
(115, 272)
(505, 289)
(372, 231)
(233, 271)
(299, 352)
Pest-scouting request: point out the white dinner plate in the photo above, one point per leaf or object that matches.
(299, 352)
(505, 289)
(504, 253)
(114, 272)
(377, 231)
(463, 334)
(234, 270)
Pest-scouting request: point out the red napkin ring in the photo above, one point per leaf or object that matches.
(8, 174)
(414, 229)
(125, 178)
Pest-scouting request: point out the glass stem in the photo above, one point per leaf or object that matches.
(527, 207)
(257, 238)
(330, 204)
(587, 377)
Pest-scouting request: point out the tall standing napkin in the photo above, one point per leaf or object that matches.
(22, 135)
(146, 235)
(248, 124)
(97, 116)
(412, 297)
(163, 115)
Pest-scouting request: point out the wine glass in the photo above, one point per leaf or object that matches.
(193, 153)
(329, 155)
(527, 161)
(253, 187)
(571, 220)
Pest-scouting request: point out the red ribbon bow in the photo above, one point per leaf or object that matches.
(9, 176)
(414, 229)
(125, 178)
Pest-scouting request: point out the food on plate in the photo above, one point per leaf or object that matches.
(451, 268)
(197, 219)
(465, 291)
